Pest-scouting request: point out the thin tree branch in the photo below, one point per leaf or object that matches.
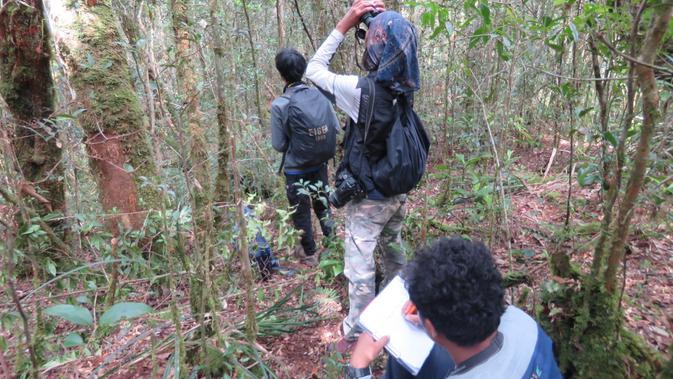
(630, 58)
(19, 308)
(574, 79)
(310, 38)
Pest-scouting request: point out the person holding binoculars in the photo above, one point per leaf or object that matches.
(374, 104)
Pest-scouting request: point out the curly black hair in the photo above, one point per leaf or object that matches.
(456, 285)
(291, 65)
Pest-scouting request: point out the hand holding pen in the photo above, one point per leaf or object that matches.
(410, 313)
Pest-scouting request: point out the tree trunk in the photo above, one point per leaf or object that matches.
(615, 184)
(27, 87)
(187, 86)
(303, 23)
(280, 19)
(246, 270)
(395, 5)
(604, 113)
(87, 39)
(253, 55)
(133, 27)
(222, 191)
(648, 87)
(320, 17)
(199, 182)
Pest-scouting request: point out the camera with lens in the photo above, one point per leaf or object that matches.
(347, 188)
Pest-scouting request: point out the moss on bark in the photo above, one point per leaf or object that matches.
(26, 86)
(667, 373)
(591, 341)
(87, 38)
(201, 186)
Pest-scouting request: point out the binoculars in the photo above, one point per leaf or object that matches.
(367, 17)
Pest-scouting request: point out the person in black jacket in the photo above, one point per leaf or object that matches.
(390, 59)
(296, 135)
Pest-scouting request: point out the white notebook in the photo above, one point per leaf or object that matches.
(383, 317)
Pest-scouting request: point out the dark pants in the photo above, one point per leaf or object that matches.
(304, 191)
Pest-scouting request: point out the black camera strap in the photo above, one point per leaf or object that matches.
(368, 116)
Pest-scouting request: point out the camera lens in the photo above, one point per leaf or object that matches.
(334, 200)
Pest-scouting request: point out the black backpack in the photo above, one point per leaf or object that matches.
(407, 147)
(313, 127)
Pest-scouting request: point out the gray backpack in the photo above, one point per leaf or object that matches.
(313, 127)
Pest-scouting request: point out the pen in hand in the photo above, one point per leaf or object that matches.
(410, 308)
(411, 314)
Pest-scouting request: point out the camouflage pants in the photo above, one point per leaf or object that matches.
(369, 222)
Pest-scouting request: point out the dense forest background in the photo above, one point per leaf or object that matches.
(134, 133)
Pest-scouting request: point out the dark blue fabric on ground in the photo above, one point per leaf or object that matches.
(264, 257)
(261, 251)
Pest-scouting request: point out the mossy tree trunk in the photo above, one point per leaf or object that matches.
(27, 87)
(588, 316)
(187, 87)
(199, 181)
(131, 24)
(651, 115)
(222, 182)
(87, 40)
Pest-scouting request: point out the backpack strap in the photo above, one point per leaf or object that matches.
(287, 96)
(282, 164)
(368, 115)
(369, 111)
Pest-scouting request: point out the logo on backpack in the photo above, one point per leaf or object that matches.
(319, 134)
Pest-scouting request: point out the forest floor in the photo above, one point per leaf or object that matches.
(537, 210)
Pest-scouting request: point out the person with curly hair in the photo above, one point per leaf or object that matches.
(457, 290)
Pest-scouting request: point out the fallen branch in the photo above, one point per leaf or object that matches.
(448, 228)
(515, 278)
(550, 163)
(30, 191)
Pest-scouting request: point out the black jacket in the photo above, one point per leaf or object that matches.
(359, 157)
